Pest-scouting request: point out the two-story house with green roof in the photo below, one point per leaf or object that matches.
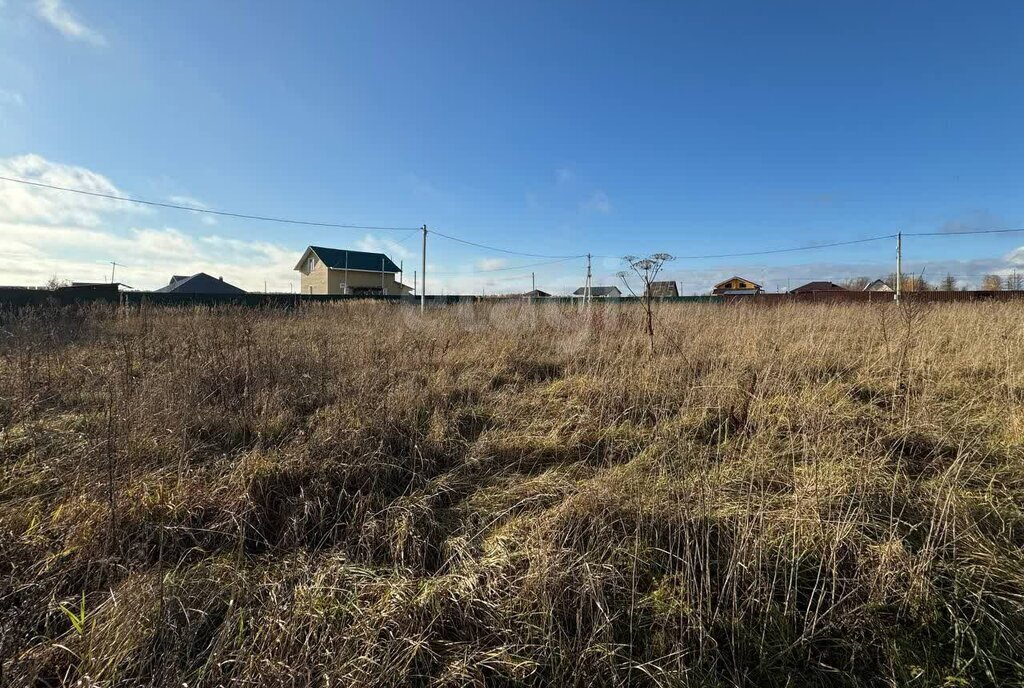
(340, 271)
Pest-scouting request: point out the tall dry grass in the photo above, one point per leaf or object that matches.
(350, 495)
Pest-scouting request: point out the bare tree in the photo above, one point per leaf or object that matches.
(857, 283)
(915, 283)
(991, 283)
(646, 270)
(948, 283)
(1014, 281)
(56, 283)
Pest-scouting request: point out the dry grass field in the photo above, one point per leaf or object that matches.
(350, 495)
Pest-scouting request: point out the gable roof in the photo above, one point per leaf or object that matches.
(878, 285)
(820, 285)
(536, 293)
(597, 291)
(199, 283)
(666, 288)
(723, 283)
(340, 259)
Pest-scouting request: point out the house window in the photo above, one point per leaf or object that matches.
(312, 264)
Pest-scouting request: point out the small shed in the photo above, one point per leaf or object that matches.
(878, 285)
(660, 290)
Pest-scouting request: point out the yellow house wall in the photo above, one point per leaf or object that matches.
(324, 281)
(356, 279)
(738, 284)
(316, 281)
(321, 280)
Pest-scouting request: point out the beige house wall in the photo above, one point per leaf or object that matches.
(363, 280)
(316, 281)
(321, 280)
(324, 281)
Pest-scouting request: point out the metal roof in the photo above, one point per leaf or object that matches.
(878, 285)
(821, 285)
(664, 288)
(200, 283)
(598, 291)
(342, 259)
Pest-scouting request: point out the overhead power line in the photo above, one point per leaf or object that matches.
(556, 258)
(208, 211)
(511, 267)
(501, 250)
(966, 231)
(779, 250)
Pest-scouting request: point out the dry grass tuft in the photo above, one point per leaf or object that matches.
(512, 495)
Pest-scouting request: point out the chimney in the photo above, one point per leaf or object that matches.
(221, 278)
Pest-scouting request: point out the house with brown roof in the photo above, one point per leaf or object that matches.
(199, 283)
(735, 286)
(818, 286)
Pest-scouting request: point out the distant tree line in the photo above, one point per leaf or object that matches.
(990, 282)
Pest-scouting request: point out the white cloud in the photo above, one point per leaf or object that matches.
(8, 97)
(208, 220)
(24, 203)
(597, 203)
(393, 249)
(49, 233)
(34, 253)
(57, 15)
(974, 221)
(187, 200)
(490, 263)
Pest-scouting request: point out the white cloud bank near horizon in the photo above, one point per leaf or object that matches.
(48, 233)
(53, 234)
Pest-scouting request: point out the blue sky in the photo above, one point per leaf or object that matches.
(544, 127)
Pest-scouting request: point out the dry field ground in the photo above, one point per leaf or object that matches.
(351, 495)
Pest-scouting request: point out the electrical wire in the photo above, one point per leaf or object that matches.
(966, 231)
(335, 225)
(780, 250)
(511, 267)
(501, 250)
(208, 211)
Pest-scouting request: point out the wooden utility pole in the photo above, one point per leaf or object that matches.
(899, 266)
(423, 294)
(586, 289)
